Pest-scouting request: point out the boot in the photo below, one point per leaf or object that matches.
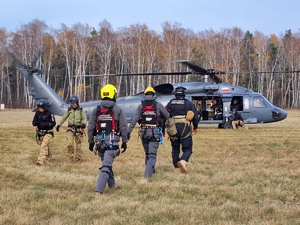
(182, 166)
(99, 195)
(113, 187)
(39, 163)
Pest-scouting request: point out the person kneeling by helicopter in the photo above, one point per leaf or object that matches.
(237, 120)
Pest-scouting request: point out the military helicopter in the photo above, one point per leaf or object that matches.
(201, 93)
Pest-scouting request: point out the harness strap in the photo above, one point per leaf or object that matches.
(42, 133)
(181, 120)
(75, 130)
(108, 172)
(148, 126)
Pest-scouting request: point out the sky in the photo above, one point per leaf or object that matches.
(266, 16)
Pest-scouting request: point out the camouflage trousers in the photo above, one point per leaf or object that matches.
(236, 123)
(45, 153)
(71, 136)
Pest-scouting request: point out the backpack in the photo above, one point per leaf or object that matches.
(149, 114)
(105, 120)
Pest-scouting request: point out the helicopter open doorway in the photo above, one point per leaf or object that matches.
(217, 109)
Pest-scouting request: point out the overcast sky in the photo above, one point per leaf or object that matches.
(266, 16)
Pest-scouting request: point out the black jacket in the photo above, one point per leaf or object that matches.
(188, 106)
(237, 116)
(44, 120)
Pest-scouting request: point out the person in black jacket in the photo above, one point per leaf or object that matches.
(185, 116)
(44, 121)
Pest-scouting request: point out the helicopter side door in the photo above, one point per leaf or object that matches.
(245, 113)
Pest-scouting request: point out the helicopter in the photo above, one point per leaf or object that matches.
(202, 94)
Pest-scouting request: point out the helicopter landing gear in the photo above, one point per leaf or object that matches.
(220, 125)
(227, 125)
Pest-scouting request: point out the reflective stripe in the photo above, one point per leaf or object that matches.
(148, 126)
(182, 120)
(178, 116)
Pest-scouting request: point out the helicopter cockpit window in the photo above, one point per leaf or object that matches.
(258, 102)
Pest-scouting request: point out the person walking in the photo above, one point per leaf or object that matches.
(44, 121)
(184, 114)
(76, 123)
(151, 115)
(107, 124)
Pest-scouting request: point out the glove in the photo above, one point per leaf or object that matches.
(128, 136)
(91, 147)
(57, 128)
(34, 123)
(83, 125)
(124, 146)
(194, 131)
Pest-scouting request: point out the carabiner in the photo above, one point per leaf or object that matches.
(161, 136)
(102, 136)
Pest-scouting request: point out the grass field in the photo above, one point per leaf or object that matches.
(235, 177)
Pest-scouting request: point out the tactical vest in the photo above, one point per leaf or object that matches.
(105, 120)
(149, 115)
(178, 107)
(79, 109)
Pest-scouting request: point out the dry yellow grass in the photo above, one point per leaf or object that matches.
(235, 177)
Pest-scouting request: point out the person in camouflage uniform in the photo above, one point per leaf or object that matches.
(76, 123)
(44, 121)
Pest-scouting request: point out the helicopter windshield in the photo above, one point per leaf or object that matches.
(260, 102)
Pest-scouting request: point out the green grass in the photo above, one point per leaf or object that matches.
(234, 177)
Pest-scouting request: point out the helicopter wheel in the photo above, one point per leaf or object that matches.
(221, 125)
(227, 125)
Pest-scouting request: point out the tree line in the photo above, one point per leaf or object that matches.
(70, 53)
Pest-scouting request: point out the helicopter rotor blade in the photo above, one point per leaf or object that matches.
(136, 74)
(213, 74)
(192, 66)
(36, 57)
(198, 69)
(14, 60)
(249, 72)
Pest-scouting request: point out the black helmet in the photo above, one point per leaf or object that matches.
(180, 91)
(42, 103)
(74, 98)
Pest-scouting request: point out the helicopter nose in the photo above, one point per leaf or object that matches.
(279, 114)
